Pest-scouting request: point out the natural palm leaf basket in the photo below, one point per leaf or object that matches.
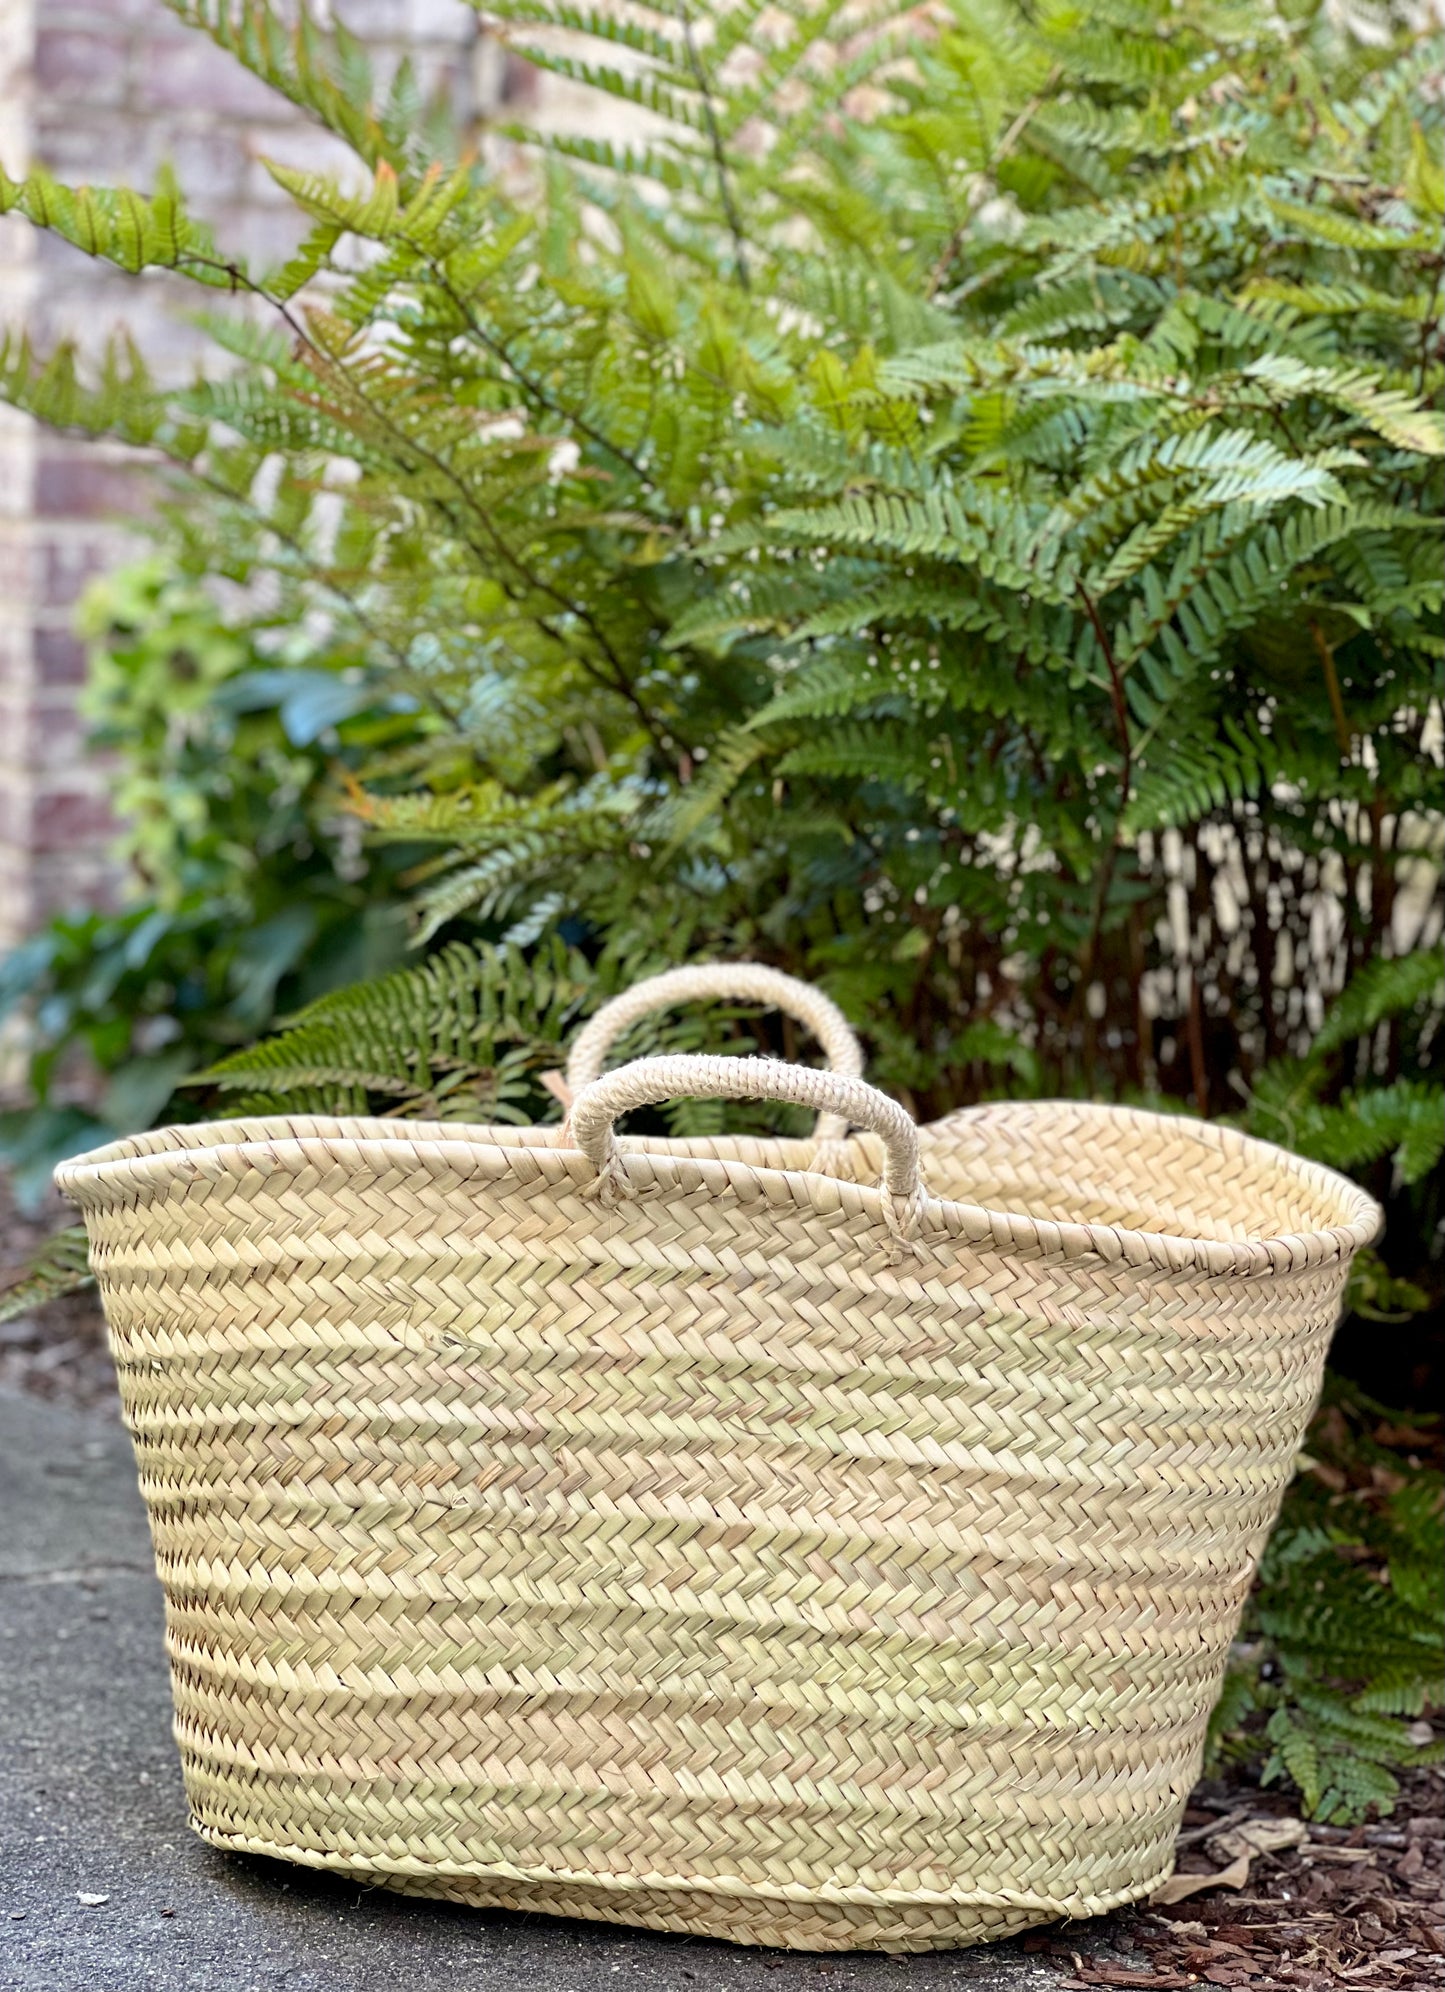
(684, 1534)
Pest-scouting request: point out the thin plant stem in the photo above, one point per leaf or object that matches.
(719, 153)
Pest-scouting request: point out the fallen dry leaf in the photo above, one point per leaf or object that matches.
(1180, 1887)
(1237, 1846)
(1259, 1836)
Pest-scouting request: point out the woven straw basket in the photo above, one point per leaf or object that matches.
(711, 1535)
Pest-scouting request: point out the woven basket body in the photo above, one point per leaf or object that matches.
(703, 1560)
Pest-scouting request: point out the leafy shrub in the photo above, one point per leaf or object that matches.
(242, 901)
(951, 510)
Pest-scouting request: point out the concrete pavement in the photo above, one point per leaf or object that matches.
(104, 1889)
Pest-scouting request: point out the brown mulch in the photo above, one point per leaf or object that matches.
(1363, 1908)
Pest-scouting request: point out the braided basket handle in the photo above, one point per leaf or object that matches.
(837, 1094)
(738, 981)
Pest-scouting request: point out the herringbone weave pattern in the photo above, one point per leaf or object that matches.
(715, 1558)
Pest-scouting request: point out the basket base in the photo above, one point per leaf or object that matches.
(734, 1919)
(742, 1919)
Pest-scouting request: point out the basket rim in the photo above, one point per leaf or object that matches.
(128, 1165)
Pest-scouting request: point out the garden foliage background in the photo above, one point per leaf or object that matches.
(950, 506)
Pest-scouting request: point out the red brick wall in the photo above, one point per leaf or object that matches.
(105, 90)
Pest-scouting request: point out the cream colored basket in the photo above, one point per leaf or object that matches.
(684, 1534)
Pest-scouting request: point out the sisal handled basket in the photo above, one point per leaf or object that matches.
(676, 1533)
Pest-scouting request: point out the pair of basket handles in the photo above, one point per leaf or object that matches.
(838, 1095)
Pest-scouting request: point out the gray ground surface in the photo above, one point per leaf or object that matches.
(91, 1804)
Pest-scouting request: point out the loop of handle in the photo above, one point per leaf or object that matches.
(650, 1080)
(740, 981)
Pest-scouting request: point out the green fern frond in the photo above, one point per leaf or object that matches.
(1334, 300)
(1195, 778)
(1222, 467)
(318, 66)
(59, 1266)
(1231, 567)
(975, 528)
(121, 401)
(880, 751)
(624, 166)
(1392, 412)
(1385, 988)
(654, 36)
(1404, 1120)
(460, 1037)
(490, 887)
(123, 228)
(1348, 1611)
(1329, 226)
(685, 814)
(826, 688)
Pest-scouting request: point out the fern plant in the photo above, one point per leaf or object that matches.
(1342, 1642)
(963, 525)
(458, 1038)
(1369, 1098)
(60, 1266)
(476, 1033)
